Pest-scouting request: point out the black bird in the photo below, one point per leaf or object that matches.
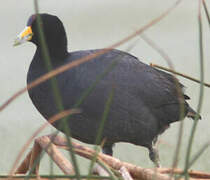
(144, 103)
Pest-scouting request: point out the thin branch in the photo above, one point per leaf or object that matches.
(191, 173)
(45, 143)
(135, 171)
(179, 74)
(46, 177)
(50, 121)
(99, 171)
(125, 174)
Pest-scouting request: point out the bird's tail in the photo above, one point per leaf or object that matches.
(192, 114)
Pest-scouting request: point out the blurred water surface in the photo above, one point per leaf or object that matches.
(96, 24)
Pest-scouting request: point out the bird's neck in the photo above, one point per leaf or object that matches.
(54, 53)
(56, 47)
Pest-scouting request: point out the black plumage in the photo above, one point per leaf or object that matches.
(145, 99)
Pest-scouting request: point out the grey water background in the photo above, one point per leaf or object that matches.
(96, 24)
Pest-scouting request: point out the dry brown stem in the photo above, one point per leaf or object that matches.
(100, 171)
(179, 74)
(192, 173)
(26, 145)
(136, 172)
(23, 168)
(31, 178)
(56, 155)
(45, 143)
(125, 174)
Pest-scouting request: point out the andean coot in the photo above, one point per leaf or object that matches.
(145, 99)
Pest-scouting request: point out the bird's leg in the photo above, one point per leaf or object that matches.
(154, 156)
(107, 149)
(153, 153)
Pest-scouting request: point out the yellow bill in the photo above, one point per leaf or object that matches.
(25, 35)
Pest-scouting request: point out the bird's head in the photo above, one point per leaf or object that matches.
(44, 27)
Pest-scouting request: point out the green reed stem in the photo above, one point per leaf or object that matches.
(206, 11)
(198, 154)
(189, 149)
(55, 89)
(101, 128)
